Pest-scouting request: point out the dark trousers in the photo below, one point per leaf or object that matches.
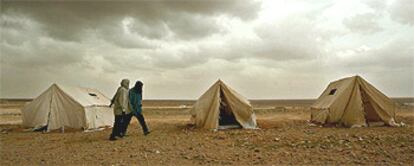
(117, 128)
(140, 118)
(126, 119)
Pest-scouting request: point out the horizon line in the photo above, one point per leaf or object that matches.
(398, 97)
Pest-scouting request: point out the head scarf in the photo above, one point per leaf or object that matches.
(125, 83)
(138, 87)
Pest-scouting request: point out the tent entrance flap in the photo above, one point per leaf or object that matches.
(226, 116)
(370, 113)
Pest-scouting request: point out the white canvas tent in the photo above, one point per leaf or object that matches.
(64, 106)
(353, 102)
(220, 101)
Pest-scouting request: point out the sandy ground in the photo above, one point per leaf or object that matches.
(284, 138)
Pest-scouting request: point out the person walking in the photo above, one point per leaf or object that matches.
(121, 108)
(135, 99)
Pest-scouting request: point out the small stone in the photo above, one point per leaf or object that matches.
(353, 154)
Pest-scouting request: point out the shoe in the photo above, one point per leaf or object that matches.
(112, 139)
(121, 135)
(146, 133)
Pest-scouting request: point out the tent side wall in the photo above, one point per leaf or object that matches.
(65, 111)
(329, 108)
(35, 114)
(320, 109)
(206, 109)
(98, 116)
(95, 104)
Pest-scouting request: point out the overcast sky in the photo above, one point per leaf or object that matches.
(263, 49)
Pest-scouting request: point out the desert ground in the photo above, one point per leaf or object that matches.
(284, 138)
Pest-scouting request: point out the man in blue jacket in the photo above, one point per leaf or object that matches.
(135, 100)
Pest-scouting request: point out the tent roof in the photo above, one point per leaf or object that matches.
(85, 96)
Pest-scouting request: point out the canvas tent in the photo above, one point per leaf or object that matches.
(220, 105)
(353, 102)
(64, 106)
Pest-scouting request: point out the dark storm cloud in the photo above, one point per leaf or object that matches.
(153, 30)
(69, 20)
(115, 34)
(149, 24)
(288, 47)
(50, 31)
(11, 29)
(186, 26)
(23, 46)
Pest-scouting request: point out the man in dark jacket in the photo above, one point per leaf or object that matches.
(135, 100)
